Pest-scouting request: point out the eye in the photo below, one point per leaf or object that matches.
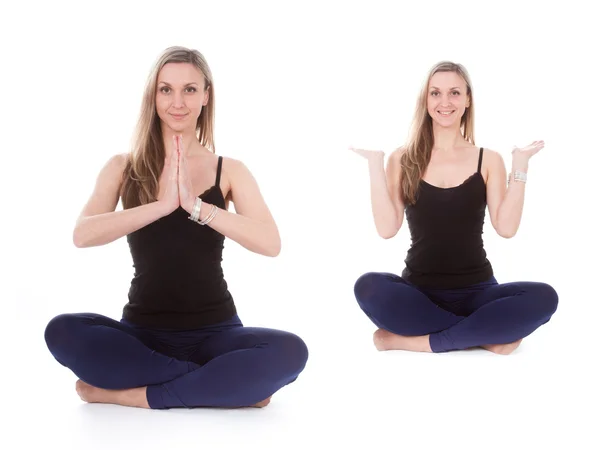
(164, 89)
(191, 89)
(434, 93)
(455, 93)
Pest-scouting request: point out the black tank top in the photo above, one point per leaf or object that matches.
(178, 281)
(446, 227)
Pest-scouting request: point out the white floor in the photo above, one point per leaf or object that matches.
(302, 83)
(544, 394)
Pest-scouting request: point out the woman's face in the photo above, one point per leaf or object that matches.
(180, 96)
(447, 99)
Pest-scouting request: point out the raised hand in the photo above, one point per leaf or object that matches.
(521, 155)
(368, 154)
(168, 194)
(186, 191)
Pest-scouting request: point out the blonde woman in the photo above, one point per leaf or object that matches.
(180, 342)
(447, 297)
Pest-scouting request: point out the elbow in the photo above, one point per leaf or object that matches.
(80, 242)
(388, 232)
(273, 251)
(78, 239)
(274, 247)
(506, 233)
(504, 228)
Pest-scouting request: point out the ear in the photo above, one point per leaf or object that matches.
(206, 96)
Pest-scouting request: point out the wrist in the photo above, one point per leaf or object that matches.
(205, 210)
(517, 175)
(203, 213)
(376, 163)
(377, 157)
(188, 205)
(162, 208)
(521, 166)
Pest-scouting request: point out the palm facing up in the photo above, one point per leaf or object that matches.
(521, 155)
(368, 154)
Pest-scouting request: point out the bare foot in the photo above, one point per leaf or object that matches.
(503, 349)
(86, 392)
(262, 404)
(125, 397)
(385, 340)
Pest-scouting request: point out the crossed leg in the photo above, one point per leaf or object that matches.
(500, 315)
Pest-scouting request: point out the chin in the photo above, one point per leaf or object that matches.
(177, 127)
(442, 124)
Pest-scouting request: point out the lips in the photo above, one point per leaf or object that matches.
(178, 116)
(446, 113)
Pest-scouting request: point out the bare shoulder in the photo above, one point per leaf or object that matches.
(111, 177)
(491, 153)
(116, 164)
(492, 157)
(231, 163)
(492, 163)
(113, 169)
(394, 160)
(238, 181)
(244, 191)
(235, 168)
(397, 154)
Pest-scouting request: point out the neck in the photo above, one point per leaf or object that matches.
(447, 139)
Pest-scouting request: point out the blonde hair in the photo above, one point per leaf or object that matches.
(147, 157)
(417, 154)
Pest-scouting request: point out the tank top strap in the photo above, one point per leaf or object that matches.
(219, 165)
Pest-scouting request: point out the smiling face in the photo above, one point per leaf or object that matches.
(180, 96)
(447, 99)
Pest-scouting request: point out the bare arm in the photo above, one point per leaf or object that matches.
(505, 204)
(386, 203)
(252, 225)
(99, 223)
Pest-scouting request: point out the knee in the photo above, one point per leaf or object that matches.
(59, 331)
(298, 351)
(546, 299)
(366, 287)
(550, 296)
(292, 354)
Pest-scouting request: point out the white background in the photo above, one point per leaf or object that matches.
(295, 85)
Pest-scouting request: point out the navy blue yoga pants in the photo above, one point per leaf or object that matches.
(224, 365)
(455, 319)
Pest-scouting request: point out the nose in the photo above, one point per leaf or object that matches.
(446, 100)
(178, 100)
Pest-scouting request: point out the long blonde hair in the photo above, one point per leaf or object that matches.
(147, 157)
(417, 154)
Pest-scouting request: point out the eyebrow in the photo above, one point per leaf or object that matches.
(435, 87)
(187, 84)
